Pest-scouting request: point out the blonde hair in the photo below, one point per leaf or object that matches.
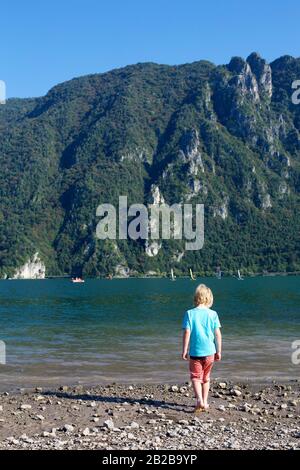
(203, 296)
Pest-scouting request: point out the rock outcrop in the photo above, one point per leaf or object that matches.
(34, 268)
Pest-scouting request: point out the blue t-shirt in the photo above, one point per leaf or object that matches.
(202, 322)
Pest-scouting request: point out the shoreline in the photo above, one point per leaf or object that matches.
(162, 276)
(138, 416)
(55, 384)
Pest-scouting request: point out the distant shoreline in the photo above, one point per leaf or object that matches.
(165, 276)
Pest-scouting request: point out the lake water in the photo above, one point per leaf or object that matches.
(129, 330)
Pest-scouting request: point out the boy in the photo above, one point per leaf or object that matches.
(202, 333)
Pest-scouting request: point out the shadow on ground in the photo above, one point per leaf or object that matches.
(119, 400)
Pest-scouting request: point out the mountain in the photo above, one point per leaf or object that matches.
(226, 136)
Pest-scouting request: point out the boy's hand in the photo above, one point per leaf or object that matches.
(218, 356)
(184, 356)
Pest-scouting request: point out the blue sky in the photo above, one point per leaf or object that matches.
(47, 42)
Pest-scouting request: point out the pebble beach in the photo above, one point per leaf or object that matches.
(133, 417)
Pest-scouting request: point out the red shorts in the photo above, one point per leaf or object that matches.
(200, 368)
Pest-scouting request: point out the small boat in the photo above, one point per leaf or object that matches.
(240, 278)
(173, 277)
(219, 274)
(192, 275)
(77, 280)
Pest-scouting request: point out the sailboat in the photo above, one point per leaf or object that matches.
(192, 275)
(218, 272)
(172, 275)
(240, 278)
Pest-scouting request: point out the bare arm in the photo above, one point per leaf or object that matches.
(218, 343)
(185, 344)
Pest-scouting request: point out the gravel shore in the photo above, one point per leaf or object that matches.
(241, 416)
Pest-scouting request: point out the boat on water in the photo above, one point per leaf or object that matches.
(240, 278)
(173, 277)
(219, 274)
(192, 275)
(78, 280)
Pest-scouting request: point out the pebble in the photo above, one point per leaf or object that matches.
(222, 385)
(134, 425)
(68, 428)
(92, 404)
(173, 429)
(109, 424)
(86, 432)
(39, 398)
(25, 407)
(236, 392)
(40, 417)
(246, 408)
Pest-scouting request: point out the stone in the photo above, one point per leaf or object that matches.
(222, 385)
(92, 404)
(184, 422)
(25, 407)
(246, 408)
(39, 398)
(152, 421)
(171, 433)
(109, 424)
(68, 428)
(174, 388)
(86, 432)
(293, 403)
(134, 425)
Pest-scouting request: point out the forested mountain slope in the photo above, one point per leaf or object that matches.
(225, 136)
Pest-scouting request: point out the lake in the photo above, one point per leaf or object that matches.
(129, 330)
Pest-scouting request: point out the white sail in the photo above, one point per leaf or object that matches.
(172, 275)
(192, 275)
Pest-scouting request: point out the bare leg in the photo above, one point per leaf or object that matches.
(198, 392)
(205, 390)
